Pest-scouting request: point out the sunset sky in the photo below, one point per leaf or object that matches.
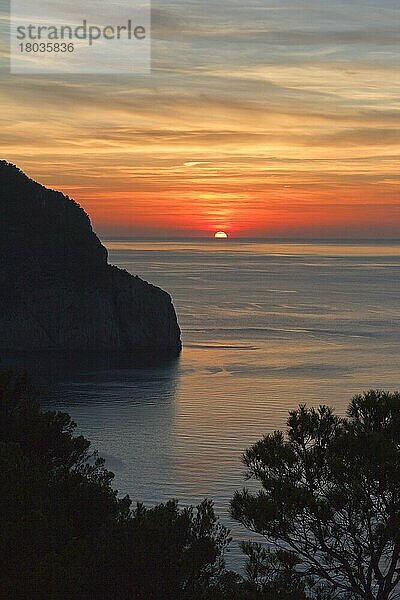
(260, 118)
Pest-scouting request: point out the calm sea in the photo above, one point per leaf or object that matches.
(266, 326)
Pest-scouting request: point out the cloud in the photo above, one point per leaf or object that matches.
(286, 113)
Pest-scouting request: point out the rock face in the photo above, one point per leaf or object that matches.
(57, 290)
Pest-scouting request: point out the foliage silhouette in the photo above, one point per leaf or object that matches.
(330, 501)
(329, 508)
(65, 533)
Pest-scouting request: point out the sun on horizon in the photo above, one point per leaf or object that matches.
(220, 235)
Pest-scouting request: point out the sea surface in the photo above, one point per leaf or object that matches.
(265, 326)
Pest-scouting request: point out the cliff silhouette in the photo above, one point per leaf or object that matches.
(58, 291)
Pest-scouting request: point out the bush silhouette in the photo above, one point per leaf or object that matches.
(65, 533)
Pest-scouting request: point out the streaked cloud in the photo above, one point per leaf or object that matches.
(264, 118)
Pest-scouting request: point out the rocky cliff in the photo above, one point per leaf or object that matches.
(57, 290)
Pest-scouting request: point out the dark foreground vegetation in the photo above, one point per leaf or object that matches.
(329, 501)
(66, 534)
(329, 508)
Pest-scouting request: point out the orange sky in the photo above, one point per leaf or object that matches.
(266, 120)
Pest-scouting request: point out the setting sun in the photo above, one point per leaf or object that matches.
(221, 235)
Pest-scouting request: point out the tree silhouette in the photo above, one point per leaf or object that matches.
(65, 533)
(330, 499)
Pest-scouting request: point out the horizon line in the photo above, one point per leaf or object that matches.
(243, 239)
